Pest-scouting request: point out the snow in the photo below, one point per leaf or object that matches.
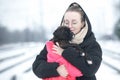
(106, 73)
(29, 51)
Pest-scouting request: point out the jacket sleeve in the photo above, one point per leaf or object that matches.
(93, 51)
(42, 68)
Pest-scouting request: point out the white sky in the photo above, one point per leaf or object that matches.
(19, 14)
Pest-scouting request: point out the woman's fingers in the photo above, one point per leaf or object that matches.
(57, 50)
(62, 71)
(57, 44)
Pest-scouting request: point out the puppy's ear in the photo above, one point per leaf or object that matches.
(57, 34)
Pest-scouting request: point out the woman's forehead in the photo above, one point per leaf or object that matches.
(72, 16)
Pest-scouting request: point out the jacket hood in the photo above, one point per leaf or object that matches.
(89, 31)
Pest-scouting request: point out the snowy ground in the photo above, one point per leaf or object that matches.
(24, 56)
(104, 73)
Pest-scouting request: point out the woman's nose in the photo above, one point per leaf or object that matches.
(70, 25)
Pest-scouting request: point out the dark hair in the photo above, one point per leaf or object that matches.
(63, 36)
(63, 33)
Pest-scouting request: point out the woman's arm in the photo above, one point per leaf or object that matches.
(42, 68)
(92, 50)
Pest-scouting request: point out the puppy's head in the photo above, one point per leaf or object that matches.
(62, 33)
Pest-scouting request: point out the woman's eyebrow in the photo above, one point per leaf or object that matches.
(74, 20)
(66, 20)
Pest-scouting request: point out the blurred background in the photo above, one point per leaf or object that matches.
(25, 25)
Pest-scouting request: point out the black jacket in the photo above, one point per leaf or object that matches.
(90, 47)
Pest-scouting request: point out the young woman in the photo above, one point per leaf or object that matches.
(88, 64)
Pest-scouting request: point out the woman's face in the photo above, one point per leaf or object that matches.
(73, 21)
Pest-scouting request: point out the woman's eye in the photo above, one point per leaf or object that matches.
(66, 23)
(74, 23)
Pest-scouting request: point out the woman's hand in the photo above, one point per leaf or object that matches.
(57, 49)
(62, 71)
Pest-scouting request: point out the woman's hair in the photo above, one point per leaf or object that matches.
(74, 7)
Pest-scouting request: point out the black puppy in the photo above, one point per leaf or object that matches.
(63, 36)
